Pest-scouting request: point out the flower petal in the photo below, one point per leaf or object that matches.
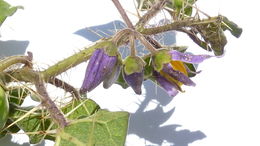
(99, 66)
(111, 78)
(171, 88)
(135, 81)
(177, 75)
(91, 70)
(189, 58)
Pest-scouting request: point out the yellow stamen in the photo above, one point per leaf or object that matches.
(179, 66)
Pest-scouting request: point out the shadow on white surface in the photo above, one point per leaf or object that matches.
(147, 124)
(12, 47)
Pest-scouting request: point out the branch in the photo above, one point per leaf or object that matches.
(150, 14)
(7, 62)
(67, 87)
(123, 14)
(71, 61)
(177, 25)
(54, 111)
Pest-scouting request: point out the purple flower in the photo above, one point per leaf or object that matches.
(187, 57)
(177, 75)
(99, 67)
(174, 73)
(170, 87)
(133, 73)
(135, 81)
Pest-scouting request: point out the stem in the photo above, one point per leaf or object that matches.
(158, 6)
(71, 61)
(67, 87)
(5, 63)
(123, 14)
(54, 111)
(145, 42)
(177, 25)
(119, 36)
(150, 14)
(132, 45)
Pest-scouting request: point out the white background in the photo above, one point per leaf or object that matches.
(225, 103)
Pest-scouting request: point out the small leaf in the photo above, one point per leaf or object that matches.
(103, 128)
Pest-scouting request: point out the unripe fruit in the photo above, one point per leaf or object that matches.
(4, 107)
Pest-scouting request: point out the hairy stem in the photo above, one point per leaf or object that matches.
(5, 63)
(144, 41)
(54, 111)
(71, 61)
(177, 25)
(150, 14)
(67, 87)
(123, 14)
(132, 45)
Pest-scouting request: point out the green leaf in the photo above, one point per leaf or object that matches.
(80, 108)
(104, 128)
(7, 10)
(38, 122)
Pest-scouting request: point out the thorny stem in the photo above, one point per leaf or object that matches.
(67, 87)
(123, 14)
(177, 25)
(54, 111)
(145, 42)
(83, 55)
(150, 14)
(71, 61)
(117, 38)
(5, 63)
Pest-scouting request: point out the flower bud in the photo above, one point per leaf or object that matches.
(113, 76)
(133, 73)
(100, 65)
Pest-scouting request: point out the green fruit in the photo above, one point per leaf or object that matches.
(4, 108)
